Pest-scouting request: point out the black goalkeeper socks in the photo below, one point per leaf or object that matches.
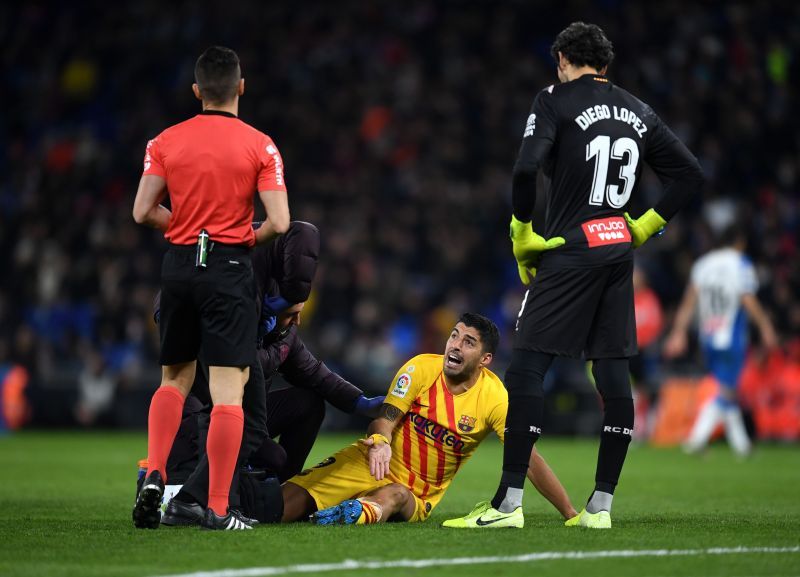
(613, 383)
(523, 380)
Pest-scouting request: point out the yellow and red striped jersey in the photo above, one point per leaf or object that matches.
(440, 431)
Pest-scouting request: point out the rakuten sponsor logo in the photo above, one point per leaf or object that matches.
(432, 430)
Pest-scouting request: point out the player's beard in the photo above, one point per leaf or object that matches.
(462, 373)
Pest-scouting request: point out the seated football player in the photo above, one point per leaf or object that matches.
(436, 413)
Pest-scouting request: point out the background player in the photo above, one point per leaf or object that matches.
(722, 290)
(210, 166)
(587, 136)
(437, 412)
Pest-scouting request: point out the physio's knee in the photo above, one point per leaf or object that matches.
(269, 456)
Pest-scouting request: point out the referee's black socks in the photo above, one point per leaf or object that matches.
(613, 382)
(524, 380)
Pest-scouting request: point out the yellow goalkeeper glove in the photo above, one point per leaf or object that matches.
(644, 227)
(528, 246)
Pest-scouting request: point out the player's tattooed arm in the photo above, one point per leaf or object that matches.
(379, 440)
(390, 413)
(388, 418)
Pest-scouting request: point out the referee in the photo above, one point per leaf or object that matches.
(210, 166)
(589, 138)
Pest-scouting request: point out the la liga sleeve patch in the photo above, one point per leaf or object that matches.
(401, 386)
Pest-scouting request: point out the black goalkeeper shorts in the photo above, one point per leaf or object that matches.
(208, 311)
(583, 313)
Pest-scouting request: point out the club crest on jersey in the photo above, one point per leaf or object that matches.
(466, 423)
(401, 386)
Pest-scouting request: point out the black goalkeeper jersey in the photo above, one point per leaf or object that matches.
(589, 139)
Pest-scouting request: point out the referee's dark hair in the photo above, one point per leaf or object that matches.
(584, 45)
(217, 73)
(490, 336)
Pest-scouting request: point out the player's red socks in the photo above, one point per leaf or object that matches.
(371, 512)
(163, 422)
(222, 446)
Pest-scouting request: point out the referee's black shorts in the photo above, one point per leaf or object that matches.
(584, 313)
(208, 311)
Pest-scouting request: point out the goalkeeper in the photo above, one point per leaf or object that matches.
(436, 413)
(586, 136)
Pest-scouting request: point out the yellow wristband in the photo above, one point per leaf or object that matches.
(378, 439)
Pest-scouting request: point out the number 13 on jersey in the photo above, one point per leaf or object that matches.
(601, 149)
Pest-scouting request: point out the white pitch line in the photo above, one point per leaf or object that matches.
(351, 564)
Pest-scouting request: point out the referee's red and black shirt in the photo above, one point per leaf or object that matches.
(213, 164)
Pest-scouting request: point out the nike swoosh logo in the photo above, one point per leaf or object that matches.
(481, 523)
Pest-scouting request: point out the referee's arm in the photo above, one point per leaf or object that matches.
(276, 204)
(147, 207)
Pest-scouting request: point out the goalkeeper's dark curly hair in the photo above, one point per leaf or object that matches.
(584, 45)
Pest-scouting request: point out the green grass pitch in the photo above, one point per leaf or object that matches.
(66, 500)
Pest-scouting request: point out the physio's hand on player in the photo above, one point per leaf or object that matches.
(379, 455)
(528, 247)
(368, 406)
(675, 345)
(644, 227)
(271, 307)
(275, 305)
(268, 323)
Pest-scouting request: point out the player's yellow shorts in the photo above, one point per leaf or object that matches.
(346, 475)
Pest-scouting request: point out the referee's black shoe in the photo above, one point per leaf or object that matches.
(146, 513)
(229, 522)
(242, 517)
(180, 514)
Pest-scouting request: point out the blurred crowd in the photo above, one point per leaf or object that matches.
(399, 124)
